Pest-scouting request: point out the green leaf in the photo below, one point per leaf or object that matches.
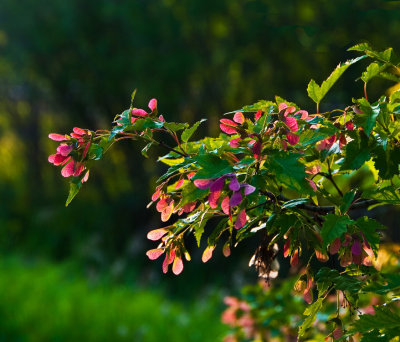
(199, 226)
(146, 149)
(133, 97)
(383, 318)
(95, 152)
(369, 226)
(311, 311)
(372, 71)
(387, 162)
(389, 282)
(191, 193)
(347, 199)
(74, 188)
(188, 132)
(216, 233)
(317, 93)
(175, 126)
(333, 227)
(295, 202)
(175, 168)
(343, 282)
(288, 170)
(211, 166)
(367, 119)
(143, 123)
(383, 56)
(311, 136)
(356, 154)
(388, 194)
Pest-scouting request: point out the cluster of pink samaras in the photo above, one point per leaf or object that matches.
(289, 118)
(78, 141)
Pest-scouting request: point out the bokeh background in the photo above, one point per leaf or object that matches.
(80, 273)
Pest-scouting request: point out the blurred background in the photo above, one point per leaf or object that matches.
(80, 273)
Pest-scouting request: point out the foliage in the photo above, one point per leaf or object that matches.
(49, 302)
(277, 172)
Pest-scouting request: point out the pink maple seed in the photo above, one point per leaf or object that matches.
(152, 104)
(335, 246)
(218, 184)
(256, 149)
(203, 183)
(257, 115)
(213, 199)
(304, 114)
(79, 131)
(225, 205)
(156, 195)
(179, 183)
(154, 254)
(286, 248)
(234, 184)
(349, 125)
(167, 212)
(236, 199)
(248, 189)
(293, 139)
(156, 234)
(69, 169)
(207, 254)
(241, 219)
(162, 204)
(139, 112)
(85, 177)
(177, 266)
(234, 143)
(291, 122)
(308, 295)
(86, 150)
(225, 126)
(58, 137)
(238, 118)
(356, 247)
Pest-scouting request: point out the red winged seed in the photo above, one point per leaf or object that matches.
(156, 234)
(241, 219)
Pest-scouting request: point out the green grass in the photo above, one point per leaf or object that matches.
(44, 303)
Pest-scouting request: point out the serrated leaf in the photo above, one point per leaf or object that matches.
(211, 166)
(288, 170)
(311, 311)
(383, 318)
(386, 162)
(175, 126)
(333, 227)
(343, 282)
(356, 154)
(188, 132)
(367, 119)
(216, 233)
(383, 56)
(74, 188)
(311, 136)
(372, 71)
(191, 193)
(390, 282)
(388, 194)
(317, 93)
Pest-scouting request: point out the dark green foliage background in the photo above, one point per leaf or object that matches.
(66, 63)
